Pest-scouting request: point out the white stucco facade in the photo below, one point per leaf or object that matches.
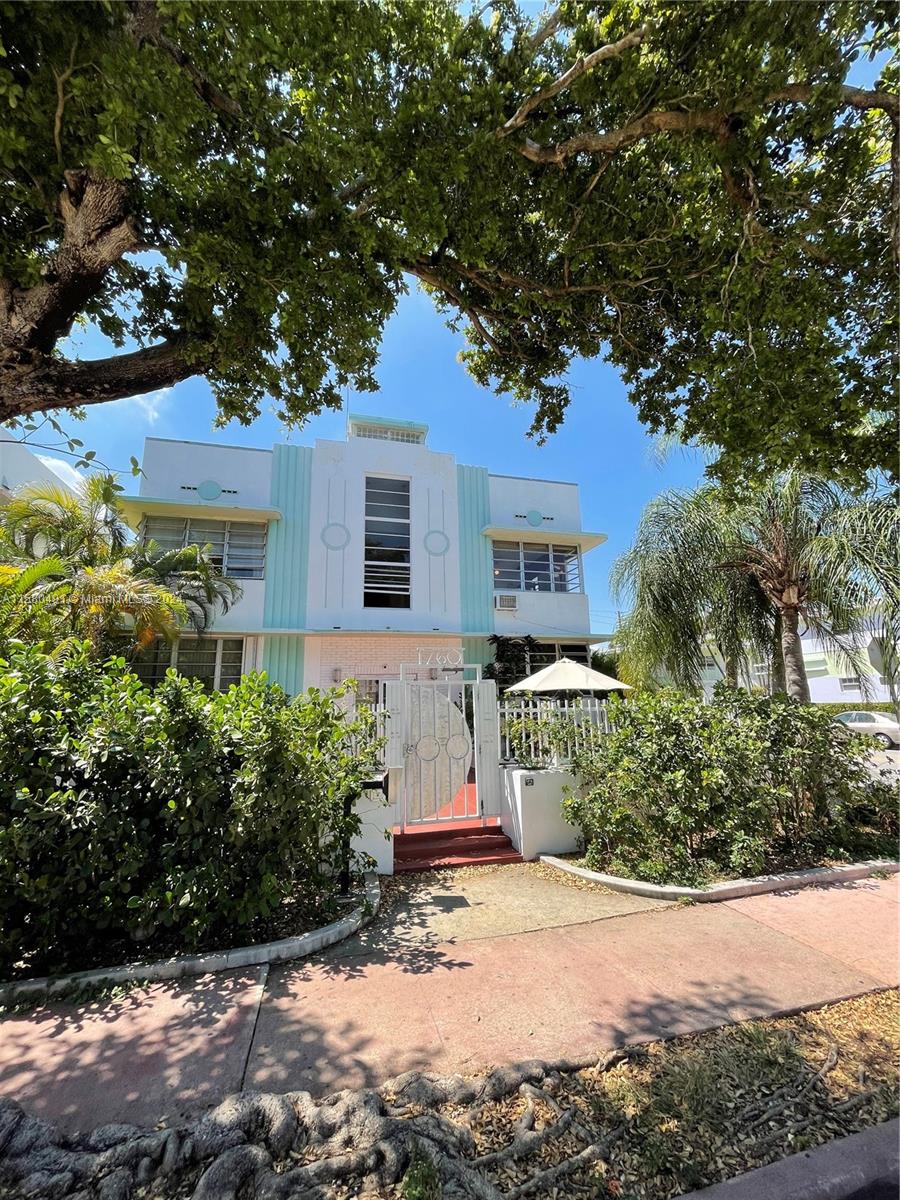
(332, 523)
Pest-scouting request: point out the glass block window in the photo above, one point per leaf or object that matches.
(215, 661)
(386, 434)
(386, 560)
(237, 547)
(536, 567)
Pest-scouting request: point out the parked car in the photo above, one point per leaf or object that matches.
(880, 726)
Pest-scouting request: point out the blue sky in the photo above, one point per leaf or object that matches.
(601, 445)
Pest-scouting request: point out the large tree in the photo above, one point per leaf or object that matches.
(243, 189)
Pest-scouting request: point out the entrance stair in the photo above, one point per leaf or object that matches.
(451, 844)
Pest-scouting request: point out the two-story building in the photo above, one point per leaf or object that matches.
(360, 555)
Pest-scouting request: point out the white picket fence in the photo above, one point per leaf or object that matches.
(525, 735)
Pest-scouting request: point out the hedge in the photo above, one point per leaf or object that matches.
(125, 809)
(683, 791)
(880, 706)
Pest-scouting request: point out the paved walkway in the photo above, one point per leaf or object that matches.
(441, 995)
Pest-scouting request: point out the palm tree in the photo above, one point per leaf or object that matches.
(743, 573)
(86, 530)
(54, 601)
(189, 573)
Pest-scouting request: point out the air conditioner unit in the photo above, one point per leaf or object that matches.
(505, 602)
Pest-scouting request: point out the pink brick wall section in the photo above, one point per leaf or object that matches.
(373, 656)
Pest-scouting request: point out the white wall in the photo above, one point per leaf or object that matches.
(531, 813)
(512, 499)
(544, 613)
(19, 467)
(377, 819)
(171, 466)
(247, 613)
(335, 595)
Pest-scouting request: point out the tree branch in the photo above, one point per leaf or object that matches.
(709, 120)
(545, 31)
(584, 64)
(147, 29)
(49, 382)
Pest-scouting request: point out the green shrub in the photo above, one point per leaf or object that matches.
(127, 809)
(833, 707)
(681, 790)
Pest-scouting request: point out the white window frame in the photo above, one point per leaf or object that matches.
(508, 544)
(219, 641)
(391, 588)
(229, 527)
(850, 683)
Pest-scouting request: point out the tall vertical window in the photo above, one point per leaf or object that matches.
(386, 563)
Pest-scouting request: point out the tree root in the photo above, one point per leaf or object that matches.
(295, 1147)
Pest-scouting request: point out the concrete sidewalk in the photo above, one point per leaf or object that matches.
(370, 1010)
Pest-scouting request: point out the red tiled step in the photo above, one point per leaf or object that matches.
(437, 847)
(458, 845)
(403, 866)
(445, 829)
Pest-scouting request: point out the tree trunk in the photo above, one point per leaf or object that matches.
(778, 684)
(731, 671)
(796, 682)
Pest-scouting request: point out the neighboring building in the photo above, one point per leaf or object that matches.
(19, 467)
(361, 555)
(830, 682)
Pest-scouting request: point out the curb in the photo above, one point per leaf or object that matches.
(210, 961)
(863, 1164)
(785, 881)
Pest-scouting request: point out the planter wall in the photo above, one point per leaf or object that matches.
(531, 811)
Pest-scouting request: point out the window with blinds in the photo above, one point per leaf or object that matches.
(216, 662)
(386, 557)
(536, 567)
(237, 547)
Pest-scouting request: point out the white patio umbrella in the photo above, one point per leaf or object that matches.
(568, 676)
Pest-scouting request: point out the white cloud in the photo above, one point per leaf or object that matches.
(152, 404)
(64, 470)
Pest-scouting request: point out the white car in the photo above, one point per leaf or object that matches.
(878, 725)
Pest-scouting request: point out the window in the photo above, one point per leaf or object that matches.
(386, 434)
(849, 683)
(547, 653)
(216, 661)
(386, 561)
(237, 547)
(536, 567)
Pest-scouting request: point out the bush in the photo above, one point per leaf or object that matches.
(833, 707)
(125, 809)
(681, 791)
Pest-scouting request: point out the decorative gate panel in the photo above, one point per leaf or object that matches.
(440, 752)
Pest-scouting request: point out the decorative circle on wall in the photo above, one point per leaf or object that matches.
(534, 518)
(436, 542)
(335, 536)
(209, 490)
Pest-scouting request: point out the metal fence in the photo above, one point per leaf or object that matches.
(543, 732)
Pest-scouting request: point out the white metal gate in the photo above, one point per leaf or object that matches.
(442, 735)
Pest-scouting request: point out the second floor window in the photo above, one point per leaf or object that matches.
(238, 548)
(386, 559)
(536, 567)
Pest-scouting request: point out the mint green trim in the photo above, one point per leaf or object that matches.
(477, 651)
(386, 422)
(287, 552)
(475, 562)
(283, 662)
